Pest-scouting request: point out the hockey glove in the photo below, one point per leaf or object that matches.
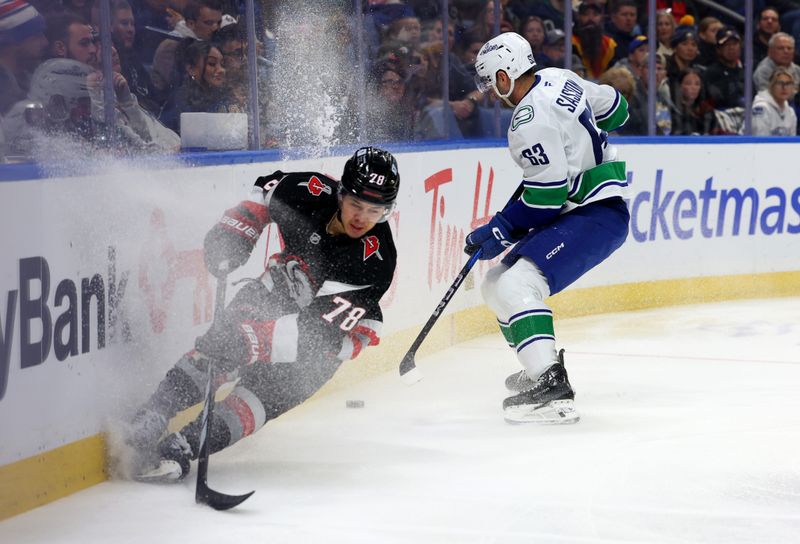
(232, 239)
(492, 238)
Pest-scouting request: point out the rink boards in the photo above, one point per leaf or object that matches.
(102, 282)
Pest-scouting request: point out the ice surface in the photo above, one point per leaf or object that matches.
(690, 432)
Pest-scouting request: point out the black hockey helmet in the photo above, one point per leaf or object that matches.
(371, 174)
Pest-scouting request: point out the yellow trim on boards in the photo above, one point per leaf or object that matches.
(51, 475)
(57, 473)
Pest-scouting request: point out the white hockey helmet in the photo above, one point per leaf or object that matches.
(509, 52)
(59, 84)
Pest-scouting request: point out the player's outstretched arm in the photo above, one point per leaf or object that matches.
(230, 242)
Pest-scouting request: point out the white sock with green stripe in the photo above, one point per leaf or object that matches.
(530, 333)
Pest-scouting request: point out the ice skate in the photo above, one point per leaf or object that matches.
(550, 400)
(171, 464)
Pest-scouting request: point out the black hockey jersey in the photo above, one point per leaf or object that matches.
(348, 276)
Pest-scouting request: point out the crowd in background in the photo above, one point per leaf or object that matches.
(176, 56)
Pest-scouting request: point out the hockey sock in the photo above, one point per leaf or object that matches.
(532, 334)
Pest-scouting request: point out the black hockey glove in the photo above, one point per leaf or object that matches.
(229, 243)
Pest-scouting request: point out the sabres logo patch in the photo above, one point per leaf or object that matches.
(371, 247)
(316, 187)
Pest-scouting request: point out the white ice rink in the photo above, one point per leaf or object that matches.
(690, 432)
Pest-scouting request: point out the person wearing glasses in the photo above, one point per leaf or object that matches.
(391, 115)
(773, 114)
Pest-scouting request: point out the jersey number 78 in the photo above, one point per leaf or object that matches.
(351, 317)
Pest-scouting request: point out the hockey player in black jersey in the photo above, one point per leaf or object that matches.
(285, 334)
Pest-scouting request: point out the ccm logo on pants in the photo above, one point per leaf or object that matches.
(555, 250)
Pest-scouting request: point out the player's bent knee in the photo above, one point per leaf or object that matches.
(521, 285)
(489, 288)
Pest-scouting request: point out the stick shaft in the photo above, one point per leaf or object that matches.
(408, 364)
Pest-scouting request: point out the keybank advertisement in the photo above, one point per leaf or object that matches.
(103, 286)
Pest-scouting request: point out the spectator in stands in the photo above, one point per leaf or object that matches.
(406, 30)
(724, 79)
(637, 104)
(203, 87)
(149, 13)
(692, 115)
(202, 18)
(174, 11)
(549, 10)
(123, 33)
(483, 29)
(232, 42)
(378, 17)
(665, 29)
(390, 116)
(664, 104)
(780, 54)
(468, 52)
(533, 30)
(621, 24)
(71, 37)
(463, 99)
(553, 49)
(773, 114)
(767, 25)
(434, 33)
(22, 47)
(596, 49)
(137, 128)
(637, 51)
(707, 44)
(685, 51)
(637, 107)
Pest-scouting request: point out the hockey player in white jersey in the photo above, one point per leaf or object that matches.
(569, 218)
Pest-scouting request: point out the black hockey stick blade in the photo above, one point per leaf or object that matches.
(409, 372)
(216, 500)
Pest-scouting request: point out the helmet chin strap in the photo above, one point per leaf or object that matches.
(504, 97)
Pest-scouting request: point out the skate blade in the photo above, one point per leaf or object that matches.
(166, 472)
(557, 412)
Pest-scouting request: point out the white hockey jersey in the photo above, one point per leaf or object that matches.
(558, 137)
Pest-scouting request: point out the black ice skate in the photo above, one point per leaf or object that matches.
(172, 464)
(549, 399)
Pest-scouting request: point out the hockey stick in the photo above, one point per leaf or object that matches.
(409, 372)
(203, 493)
(408, 368)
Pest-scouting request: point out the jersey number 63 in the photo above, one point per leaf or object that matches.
(536, 155)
